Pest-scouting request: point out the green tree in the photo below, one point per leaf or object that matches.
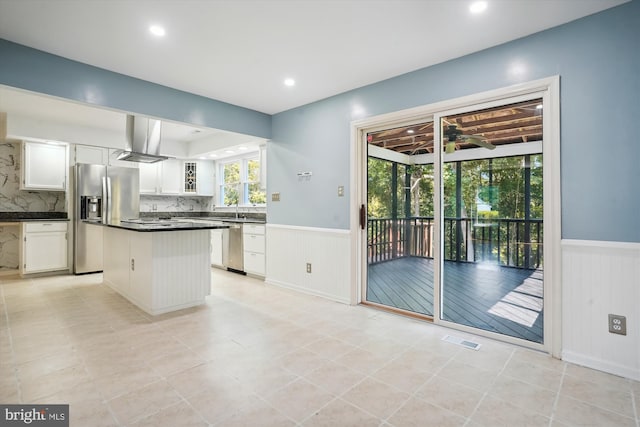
(421, 190)
(379, 188)
(232, 183)
(257, 195)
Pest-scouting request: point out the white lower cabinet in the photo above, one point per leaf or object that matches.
(45, 246)
(216, 247)
(253, 243)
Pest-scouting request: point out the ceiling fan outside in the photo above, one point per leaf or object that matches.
(453, 135)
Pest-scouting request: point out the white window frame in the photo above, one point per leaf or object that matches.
(243, 185)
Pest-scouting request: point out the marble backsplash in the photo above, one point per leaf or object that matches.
(12, 199)
(149, 203)
(9, 246)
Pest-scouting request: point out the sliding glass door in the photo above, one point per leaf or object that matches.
(400, 226)
(455, 228)
(492, 219)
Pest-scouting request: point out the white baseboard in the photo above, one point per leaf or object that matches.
(302, 289)
(600, 365)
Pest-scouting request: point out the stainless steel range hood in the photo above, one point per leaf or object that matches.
(143, 140)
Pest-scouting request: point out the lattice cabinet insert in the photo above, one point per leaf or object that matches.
(190, 178)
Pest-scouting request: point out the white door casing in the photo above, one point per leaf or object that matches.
(549, 90)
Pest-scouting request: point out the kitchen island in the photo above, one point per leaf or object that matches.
(159, 266)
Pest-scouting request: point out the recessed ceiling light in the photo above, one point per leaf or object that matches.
(157, 30)
(410, 131)
(478, 7)
(242, 148)
(213, 155)
(202, 158)
(229, 151)
(289, 82)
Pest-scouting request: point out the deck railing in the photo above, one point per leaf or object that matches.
(508, 242)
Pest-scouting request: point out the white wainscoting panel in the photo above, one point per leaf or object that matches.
(181, 269)
(600, 278)
(158, 271)
(290, 248)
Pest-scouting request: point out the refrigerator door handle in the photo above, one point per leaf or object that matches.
(106, 193)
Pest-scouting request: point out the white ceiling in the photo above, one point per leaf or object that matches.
(33, 116)
(240, 51)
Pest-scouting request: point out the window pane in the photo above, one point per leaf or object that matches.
(379, 188)
(253, 173)
(421, 190)
(257, 196)
(231, 195)
(232, 173)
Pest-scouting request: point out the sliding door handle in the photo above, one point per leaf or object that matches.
(363, 217)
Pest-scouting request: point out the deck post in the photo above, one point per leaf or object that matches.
(458, 210)
(394, 210)
(527, 211)
(408, 235)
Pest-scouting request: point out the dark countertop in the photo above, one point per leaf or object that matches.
(33, 220)
(245, 217)
(147, 226)
(223, 219)
(33, 216)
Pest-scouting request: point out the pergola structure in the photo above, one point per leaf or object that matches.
(515, 123)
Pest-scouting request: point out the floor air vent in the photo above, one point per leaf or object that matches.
(465, 343)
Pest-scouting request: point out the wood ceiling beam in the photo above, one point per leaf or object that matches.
(469, 123)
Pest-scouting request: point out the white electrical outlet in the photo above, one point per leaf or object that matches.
(308, 267)
(341, 191)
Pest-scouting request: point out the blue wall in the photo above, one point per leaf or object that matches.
(597, 58)
(37, 71)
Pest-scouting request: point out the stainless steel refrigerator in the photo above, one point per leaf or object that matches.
(102, 194)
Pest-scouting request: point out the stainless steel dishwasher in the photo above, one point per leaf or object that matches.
(232, 253)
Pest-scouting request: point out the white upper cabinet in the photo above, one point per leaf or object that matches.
(44, 166)
(91, 155)
(171, 176)
(205, 178)
(149, 178)
(175, 176)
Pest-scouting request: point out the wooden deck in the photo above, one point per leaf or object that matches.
(497, 299)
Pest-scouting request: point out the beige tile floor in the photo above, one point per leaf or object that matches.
(259, 356)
